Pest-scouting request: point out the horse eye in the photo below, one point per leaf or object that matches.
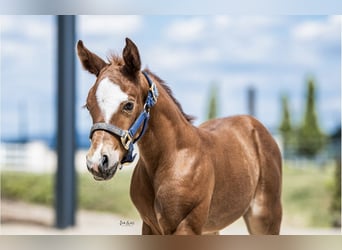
(128, 106)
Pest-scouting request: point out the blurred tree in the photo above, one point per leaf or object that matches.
(251, 94)
(336, 200)
(213, 100)
(285, 127)
(310, 138)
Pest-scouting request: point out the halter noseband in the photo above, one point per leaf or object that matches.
(127, 136)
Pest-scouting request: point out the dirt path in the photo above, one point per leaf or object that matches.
(21, 218)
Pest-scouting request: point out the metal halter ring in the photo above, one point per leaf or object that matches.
(126, 140)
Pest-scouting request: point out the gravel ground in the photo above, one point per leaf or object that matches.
(19, 218)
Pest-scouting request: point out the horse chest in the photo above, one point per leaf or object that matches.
(164, 204)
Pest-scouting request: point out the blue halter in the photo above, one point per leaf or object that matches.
(127, 136)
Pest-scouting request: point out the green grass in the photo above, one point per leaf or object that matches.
(108, 196)
(307, 193)
(307, 196)
(35, 188)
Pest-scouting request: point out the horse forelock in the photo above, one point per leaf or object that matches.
(115, 59)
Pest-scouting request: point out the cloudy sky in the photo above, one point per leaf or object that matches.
(274, 54)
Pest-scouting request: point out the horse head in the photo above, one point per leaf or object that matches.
(115, 102)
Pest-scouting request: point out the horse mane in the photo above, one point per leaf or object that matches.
(117, 60)
(168, 90)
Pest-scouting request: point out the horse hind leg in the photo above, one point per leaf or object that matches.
(265, 211)
(264, 215)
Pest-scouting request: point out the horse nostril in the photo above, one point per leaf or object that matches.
(104, 162)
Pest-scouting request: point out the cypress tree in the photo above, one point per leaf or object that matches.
(285, 127)
(310, 137)
(213, 109)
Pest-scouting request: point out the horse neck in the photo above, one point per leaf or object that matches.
(168, 131)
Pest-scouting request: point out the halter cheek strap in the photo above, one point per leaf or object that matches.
(127, 136)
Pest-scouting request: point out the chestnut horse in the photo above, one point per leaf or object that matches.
(187, 179)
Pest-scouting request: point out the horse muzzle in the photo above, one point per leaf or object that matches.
(103, 168)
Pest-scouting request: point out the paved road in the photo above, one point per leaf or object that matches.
(18, 218)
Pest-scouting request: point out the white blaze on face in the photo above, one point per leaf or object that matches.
(109, 96)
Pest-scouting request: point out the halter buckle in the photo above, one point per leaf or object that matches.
(126, 140)
(154, 92)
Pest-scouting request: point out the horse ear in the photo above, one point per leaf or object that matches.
(131, 58)
(90, 61)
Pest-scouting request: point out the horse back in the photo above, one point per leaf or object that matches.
(244, 132)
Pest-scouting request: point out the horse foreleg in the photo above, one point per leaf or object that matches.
(146, 229)
(192, 224)
(184, 228)
(182, 220)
